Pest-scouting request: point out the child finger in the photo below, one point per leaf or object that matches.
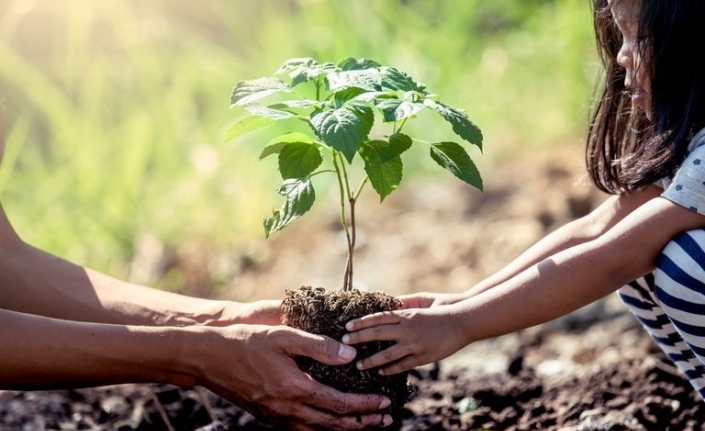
(404, 364)
(386, 356)
(382, 318)
(416, 300)
(375, 333)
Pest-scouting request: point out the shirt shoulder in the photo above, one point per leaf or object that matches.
(687, 188)
(697, 141)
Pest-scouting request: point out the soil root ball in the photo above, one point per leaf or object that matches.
(325, 312)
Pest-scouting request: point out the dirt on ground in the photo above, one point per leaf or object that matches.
(595, 369)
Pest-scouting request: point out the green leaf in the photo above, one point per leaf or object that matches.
(305, 69)
(385, 176)
(301, 75)
(396, 110)
(270, 149)
(343, 129)
(452, 156)
(398, 144)
(395, 79)
(357, 64)
(299, 160)
(274, 114)
(370, 96)
(246, 92)
(295, 63)
(462, 126)
(275, 145)
(342, 96)
(299, 196)
(297, 103)
(367, 79)
(245, 125)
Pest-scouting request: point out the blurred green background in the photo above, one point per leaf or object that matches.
(115, 109)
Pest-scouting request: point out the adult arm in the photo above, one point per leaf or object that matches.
(36, 282)
(250, 365)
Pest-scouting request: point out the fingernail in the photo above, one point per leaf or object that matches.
(358, 365)
(346, 339)
(387, 420)
(385, 403)
(349, 326)
(346, 353)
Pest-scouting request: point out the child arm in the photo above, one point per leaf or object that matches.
(579, 231)
(555, 286)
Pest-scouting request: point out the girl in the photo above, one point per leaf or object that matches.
(645, 147)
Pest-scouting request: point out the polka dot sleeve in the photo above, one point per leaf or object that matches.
(687, 188)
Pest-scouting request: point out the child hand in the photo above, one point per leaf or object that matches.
(418, 300)
(429, 299)
(422, 336)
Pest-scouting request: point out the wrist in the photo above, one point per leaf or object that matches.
(202, 346)
(194, 345)
(461, 324)
(167, 352)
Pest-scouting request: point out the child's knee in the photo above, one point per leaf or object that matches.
(686, 240)
(684, 250)
(679, 277)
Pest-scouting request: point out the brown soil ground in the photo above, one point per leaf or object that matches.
(592, 370)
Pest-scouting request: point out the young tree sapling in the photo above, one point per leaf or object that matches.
(345, 100)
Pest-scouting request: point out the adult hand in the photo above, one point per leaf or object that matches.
(263, 312)
(253, 367)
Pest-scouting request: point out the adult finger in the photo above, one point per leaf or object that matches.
(326, 398)
(382, 318)
(266, 312)
(321, 348)
(314, 416)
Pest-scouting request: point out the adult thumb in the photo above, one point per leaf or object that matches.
(319, 347)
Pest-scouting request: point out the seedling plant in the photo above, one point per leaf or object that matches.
(341, 116)
(340, 103)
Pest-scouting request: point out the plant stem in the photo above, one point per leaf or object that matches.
(325, 171)
(353, 228)
(343, 187)
(401, 126)
(351, 245)
(345, 177)
(359, 189)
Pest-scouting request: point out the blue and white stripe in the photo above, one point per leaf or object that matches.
(670, 304)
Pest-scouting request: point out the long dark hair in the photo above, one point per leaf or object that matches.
(625, 151)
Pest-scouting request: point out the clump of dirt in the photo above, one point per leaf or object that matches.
(325, 312)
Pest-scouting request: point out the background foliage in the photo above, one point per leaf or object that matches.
(116, 109)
